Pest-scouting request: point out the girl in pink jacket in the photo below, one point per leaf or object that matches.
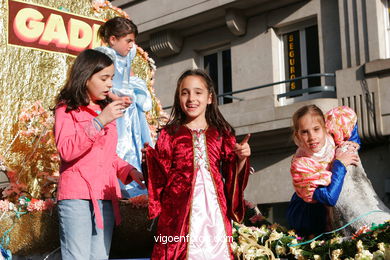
(86, 139)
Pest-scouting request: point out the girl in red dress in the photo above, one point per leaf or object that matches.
(197, 175)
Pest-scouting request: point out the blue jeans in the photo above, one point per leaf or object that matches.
(79, 235)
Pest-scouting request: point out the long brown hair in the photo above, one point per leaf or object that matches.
(74, 93)
(213, 115)
(118, 27)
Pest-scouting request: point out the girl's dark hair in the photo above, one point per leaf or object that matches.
(308, 109)
(118, 27)
(74, 93)
(213, 115)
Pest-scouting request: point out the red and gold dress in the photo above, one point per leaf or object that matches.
(196, 191)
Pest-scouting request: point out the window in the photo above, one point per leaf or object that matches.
(387, 13)
(387, 27)
(219, 67)
(301, 54)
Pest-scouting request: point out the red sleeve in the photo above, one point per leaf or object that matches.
(73, 138)
(235, 182)
(158, 165)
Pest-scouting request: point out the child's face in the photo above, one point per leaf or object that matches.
(123, 44)
(194, 97)
(98, 86)
(311, 133)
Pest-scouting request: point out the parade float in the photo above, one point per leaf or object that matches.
(40, 40)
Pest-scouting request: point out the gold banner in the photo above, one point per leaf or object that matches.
(39, 27)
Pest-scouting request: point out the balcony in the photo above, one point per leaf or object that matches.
(270, 115)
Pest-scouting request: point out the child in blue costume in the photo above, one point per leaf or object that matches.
(133, 129)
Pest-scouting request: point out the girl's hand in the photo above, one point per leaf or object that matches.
(347, 157)
(243, 149)
(111, 112)
(351, 147)
(126, 101)
(137, 177)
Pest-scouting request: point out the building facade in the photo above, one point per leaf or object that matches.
(268, 58)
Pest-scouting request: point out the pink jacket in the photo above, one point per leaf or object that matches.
(89, 163)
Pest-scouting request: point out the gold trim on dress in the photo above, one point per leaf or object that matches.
(192, 194)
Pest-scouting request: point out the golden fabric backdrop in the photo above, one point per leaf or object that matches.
(30, 78)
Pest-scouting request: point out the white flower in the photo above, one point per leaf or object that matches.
(317, 257)
(336, 240)
(260, 232)
(359, 246)
(378, 255)
(250, 254)
(294, 241)
(364, 255)
(234, 247)
(11, 206)
(336, 254)
(239, 250)
(275, 235)
(259, 252)
(316, 243)
(381, 247)
(296, 252)
(244, 229)
(280, 250)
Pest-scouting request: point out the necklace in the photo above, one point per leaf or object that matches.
(197, 128)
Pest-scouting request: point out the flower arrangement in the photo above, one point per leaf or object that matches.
(270, 242)
(258, 239)
(33, 157)
(32, 177)
(25, 205)
(33, 154)
(34, 121)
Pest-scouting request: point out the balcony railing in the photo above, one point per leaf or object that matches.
(294, 93)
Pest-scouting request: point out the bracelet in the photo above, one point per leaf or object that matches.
(98, 122)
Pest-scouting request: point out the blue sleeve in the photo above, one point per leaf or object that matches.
(330, 194)
(355, 135)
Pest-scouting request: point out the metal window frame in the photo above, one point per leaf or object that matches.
(218, 51)
(386, 11)
(306, 95)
